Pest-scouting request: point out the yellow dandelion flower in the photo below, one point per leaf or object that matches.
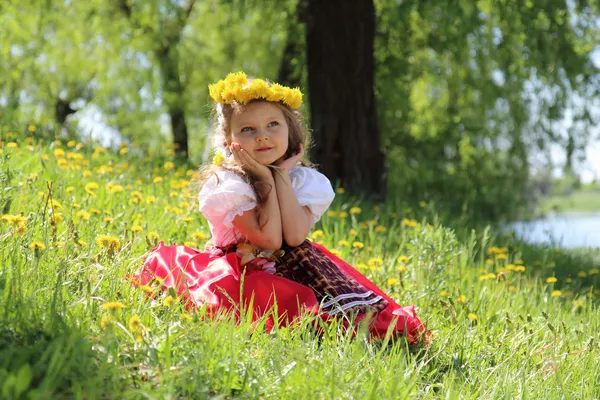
(403, 259)
(362, 266)
(411, 223)
(331, 213)
(152, 235)
(114, 305)
(259, 89)
(106, 322)
(375, 262)
(443, 293)
(199, 236)
(355, 210)
(593, 271)
(150, 199)
(353, 232)
(136, 228)
(335, 252)
(37, 246)
(158, 179)
(135, 323)
(62, 162)
(358, 245)
(90, 187)
(472, 317)
(393, 281)
(422, 204)
(340, 190)
(501, 256)
(317, 234)
(380, 229)
(185, 317)
(556, 293)
(83, 215)
(487, 277)
(582, 274)
(343, 243)
(168, 165)
(216, 91)
(276, 92)
(32, 128)
(218, 159)
(461, 299)
(342, 214)
(123, 151)
(56, 218)
(236, 79)
(117, 189)
(402, 269)
(170, 301)
(551, 279)
(58, 153)
(108, 242)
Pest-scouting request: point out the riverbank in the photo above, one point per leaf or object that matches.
(586, 199)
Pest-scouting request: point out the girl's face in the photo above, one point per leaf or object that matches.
(261, 130)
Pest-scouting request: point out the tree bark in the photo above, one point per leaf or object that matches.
(339, 41)
(173, 93)
(292, 62)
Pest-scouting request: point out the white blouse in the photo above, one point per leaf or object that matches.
(226, 195)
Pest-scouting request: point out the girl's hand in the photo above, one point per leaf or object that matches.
(249, 163)
(291, 162)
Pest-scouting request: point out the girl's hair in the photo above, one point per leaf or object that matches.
(222, 113)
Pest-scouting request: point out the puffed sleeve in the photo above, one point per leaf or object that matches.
(313, 189)
(225, 196)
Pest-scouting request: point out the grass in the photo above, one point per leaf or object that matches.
(583, 200)
(508, 320)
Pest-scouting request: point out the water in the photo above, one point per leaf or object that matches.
(567, 230)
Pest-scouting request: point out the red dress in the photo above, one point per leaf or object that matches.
(310, 280)
(297, 280)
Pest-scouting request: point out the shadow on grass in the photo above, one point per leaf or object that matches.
(39, 362)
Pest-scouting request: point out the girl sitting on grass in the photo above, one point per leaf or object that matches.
(261, 201)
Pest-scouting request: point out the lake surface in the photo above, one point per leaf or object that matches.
(565, 230)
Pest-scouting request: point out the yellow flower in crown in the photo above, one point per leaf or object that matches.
(235, 87)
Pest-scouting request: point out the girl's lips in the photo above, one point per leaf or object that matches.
(264, 149)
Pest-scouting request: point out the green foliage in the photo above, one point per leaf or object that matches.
(466, 93)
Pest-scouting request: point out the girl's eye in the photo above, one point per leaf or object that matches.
(273, 123)
(246, 129)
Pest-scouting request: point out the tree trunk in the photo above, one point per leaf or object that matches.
(292, 60)
(339, 41)
(173, 94)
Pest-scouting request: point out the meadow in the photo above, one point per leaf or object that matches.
(507, 320)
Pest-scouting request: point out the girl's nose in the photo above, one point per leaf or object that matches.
(261, 135)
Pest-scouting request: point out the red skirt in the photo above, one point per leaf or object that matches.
(305, 279)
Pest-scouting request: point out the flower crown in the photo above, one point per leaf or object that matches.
(236, 87)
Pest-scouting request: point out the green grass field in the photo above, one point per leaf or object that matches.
(584, 200)
(507, 320)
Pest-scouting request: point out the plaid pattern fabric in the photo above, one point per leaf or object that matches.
(336, 291)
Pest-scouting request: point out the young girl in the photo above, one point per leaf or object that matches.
(260, 202)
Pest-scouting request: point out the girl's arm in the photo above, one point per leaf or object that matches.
(266, 232)
(296, 220)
